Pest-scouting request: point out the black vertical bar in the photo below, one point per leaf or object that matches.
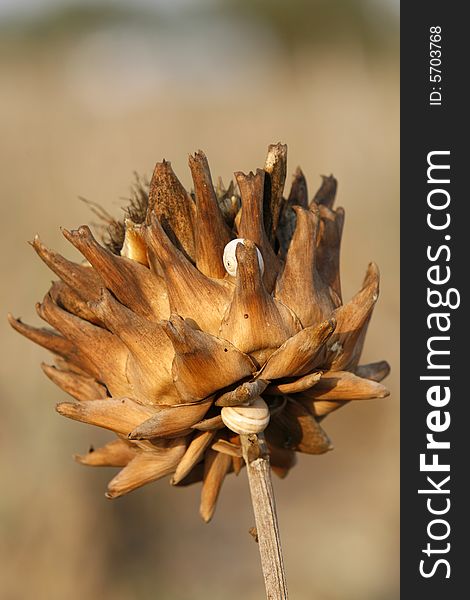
(427, 128)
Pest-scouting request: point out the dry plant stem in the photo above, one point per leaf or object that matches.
(262, 496)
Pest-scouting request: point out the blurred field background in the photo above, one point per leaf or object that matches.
(92, 91)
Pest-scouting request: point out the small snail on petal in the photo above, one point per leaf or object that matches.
(230, 259)
(246, 419)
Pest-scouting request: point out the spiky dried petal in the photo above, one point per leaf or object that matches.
(198, 352)
(80, 387)
(312, 301)
(300, 354)
(171, 204)
(133, 284)
(343, 385)
(243, 394)
(193, 455)
(106, 354)
(70, 300)
(327, 193)
(252, 226)
(147, 467)
(191, 293)
(216, 467)
(117, 453)
(211, 231)
(121, 415)
(210, 424)
(83, 279)
(375, 371)
(51, 340)
(171, 421)
(293, 387)
(329, 245)
(255, 322)
(352, 320)
(151, 354)
(196, 475)
(227, 447)
(298, 195)
(275, 168)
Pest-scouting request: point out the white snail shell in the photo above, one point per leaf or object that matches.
(246, 419)
(230, 258)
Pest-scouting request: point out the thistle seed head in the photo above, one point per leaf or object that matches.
(207, 309)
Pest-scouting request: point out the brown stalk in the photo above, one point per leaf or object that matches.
(256, 457)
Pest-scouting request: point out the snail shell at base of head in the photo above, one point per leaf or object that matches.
(246, 419)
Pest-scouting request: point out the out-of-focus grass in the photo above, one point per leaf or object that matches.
(77, 118)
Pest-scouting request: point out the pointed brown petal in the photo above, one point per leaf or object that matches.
(146, 467)
(336, 389)
(296, 428)
(121, 415)
(312, 301)
(106, 354)
(329, 244)
(282, 460)
(65, 365)
(298, 196)
(252, 222)
(171, 421)
(210, 424)
(79, 386)
(343, 385)
(275, 168)
(133, 284)
(117, 453)
(374, 371)
(199, 353)
(243, 394)
(193, 455)
(173, 207)
(134, 246)
(255, 323)
(51, 340)
(294, 387)
(196, 475)
(81, 278)
(190, 292)
(216, 466)
(70, 300)
(300, 354)
(327, 193)
(149, 366)
(345, 345)
(211, 232)
(227, 447)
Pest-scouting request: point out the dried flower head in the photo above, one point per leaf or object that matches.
(159, 342)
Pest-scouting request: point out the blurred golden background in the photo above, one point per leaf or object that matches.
(92, 91)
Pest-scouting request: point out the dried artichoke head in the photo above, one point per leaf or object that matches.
(153, 337)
